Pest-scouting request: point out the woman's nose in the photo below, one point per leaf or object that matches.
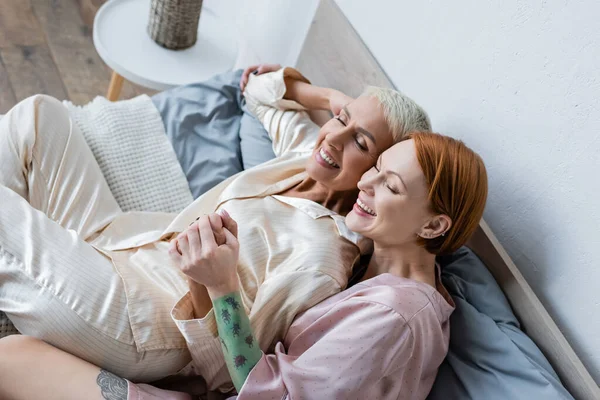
(336, 139)
(366, 182)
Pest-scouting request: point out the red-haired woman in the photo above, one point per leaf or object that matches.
(382, 338)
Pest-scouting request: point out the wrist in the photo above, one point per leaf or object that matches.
(218, 291)
(320, 97)
(328, 95)
(309, 96)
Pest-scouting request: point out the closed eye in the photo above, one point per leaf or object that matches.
(340, 121)
(377, 168)
(360, 145)
(391, 189)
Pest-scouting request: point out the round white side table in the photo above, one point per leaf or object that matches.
(121, 40)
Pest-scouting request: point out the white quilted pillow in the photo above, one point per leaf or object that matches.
(129, 142)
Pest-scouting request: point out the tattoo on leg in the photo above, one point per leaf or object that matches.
(112, 387)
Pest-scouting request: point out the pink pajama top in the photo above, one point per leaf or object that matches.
(383, 338)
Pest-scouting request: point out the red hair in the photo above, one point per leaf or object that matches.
(457, 182)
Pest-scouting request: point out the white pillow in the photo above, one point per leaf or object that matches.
(129, 142)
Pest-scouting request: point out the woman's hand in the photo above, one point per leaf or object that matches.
(203, 260)
(310, 96)
(257, 70)
(337, 101)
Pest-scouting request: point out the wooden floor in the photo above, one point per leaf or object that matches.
(46, 47)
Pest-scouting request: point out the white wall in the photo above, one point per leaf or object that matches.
(519, 81)
(269, 31)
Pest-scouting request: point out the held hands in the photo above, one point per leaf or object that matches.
(207, 252)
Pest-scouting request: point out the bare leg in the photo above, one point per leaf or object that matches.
(32, 369)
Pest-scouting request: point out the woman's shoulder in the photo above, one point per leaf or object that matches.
(412, 300)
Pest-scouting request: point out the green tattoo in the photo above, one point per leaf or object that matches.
(237, 339)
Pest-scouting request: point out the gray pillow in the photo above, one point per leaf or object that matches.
(489, 357)
(255, 143)
(212, 133)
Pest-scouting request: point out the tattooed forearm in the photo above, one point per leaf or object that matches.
(237, 339)
(112, 387)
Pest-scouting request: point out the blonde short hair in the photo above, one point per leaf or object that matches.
(401, 113)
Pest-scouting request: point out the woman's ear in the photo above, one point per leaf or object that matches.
(436, 226)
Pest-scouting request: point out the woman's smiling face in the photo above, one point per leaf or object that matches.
(349, 144)
(392, 205)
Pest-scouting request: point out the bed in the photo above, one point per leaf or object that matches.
(334, 55)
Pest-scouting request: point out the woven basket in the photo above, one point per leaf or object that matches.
(174, 23)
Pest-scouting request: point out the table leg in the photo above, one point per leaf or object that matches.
(114, 89)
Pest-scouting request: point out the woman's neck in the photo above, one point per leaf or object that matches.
(339, 202)
(410, 262)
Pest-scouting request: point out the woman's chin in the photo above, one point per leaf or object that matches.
(356, 223)
(321, 174)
